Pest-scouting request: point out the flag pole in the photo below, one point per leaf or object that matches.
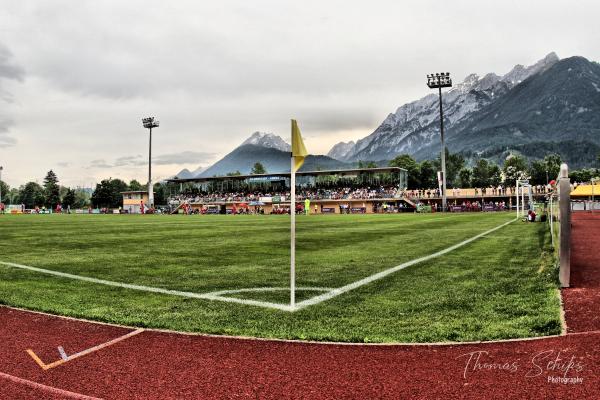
(293, 234)
(296, 160)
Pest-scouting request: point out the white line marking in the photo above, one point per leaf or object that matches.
(65, 358)
(331, 293)
(105, 344)
(220, 296)
(382, 274)
(46, 388)
(62, 353)
(105, 282)
(269, 289)
(206, 296)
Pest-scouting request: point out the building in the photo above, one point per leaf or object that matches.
(132, 201)
(217, 194)
(586, 197)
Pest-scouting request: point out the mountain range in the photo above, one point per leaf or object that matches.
(550, 106)
(267, 148)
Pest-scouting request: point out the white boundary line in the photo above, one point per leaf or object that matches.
(46, 388)
(383, 274)
(218, 296)
(206, 296)
(299, 341)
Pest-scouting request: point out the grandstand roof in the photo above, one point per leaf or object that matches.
(586, 190)
(134, 192)
(342, 172)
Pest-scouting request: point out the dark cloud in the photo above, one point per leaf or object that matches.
(185, 157)
(334, 119)
(128, 160)
(5, 139)
(8, 71)
(99, 164)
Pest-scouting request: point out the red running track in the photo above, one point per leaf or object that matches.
(582, 299)
(161, 365)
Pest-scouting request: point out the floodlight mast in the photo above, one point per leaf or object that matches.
(150, 123)
(1, 168)
(439, 81)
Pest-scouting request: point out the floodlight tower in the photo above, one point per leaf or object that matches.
(1, 168)
(439, 81)
(150, 123)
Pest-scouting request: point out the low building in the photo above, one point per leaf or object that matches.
(586, 197)
(133, 200)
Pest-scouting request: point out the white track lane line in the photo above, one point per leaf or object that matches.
(283, 307)
(46, 388)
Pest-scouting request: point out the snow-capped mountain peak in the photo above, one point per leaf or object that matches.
(267, 140)
(468, 84)
(341, 150)
(416, 124)
(519, 73)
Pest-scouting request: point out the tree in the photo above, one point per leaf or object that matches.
(258, 169)
(428, 176)
(117, 186)
(515, 168)
(538, 172)
(82, 199)
(552, 162)
(160, 194)
(413, 169)
(495, 175)
(14, 196)
(481, 174)
(69, 198)
(4, 192)
(51, 190)
(108, 193)
(234, 173)
(62, 191)
(454, 163)
(102, 195)
(32, 195)
(584, 175)
(464, 178)
(366, 164)
(135, 185)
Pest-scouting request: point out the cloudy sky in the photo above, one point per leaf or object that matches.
(76, 77)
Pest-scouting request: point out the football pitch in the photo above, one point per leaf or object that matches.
(500, 285)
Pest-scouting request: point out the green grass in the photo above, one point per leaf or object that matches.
(500, 286)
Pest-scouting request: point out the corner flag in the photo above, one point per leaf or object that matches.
(298, 154)
(298, 149)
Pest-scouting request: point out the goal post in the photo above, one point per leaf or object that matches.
(521, 186)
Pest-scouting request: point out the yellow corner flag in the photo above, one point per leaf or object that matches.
(298, 149)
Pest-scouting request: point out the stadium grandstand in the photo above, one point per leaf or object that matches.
(349, 191)
(329, 191)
